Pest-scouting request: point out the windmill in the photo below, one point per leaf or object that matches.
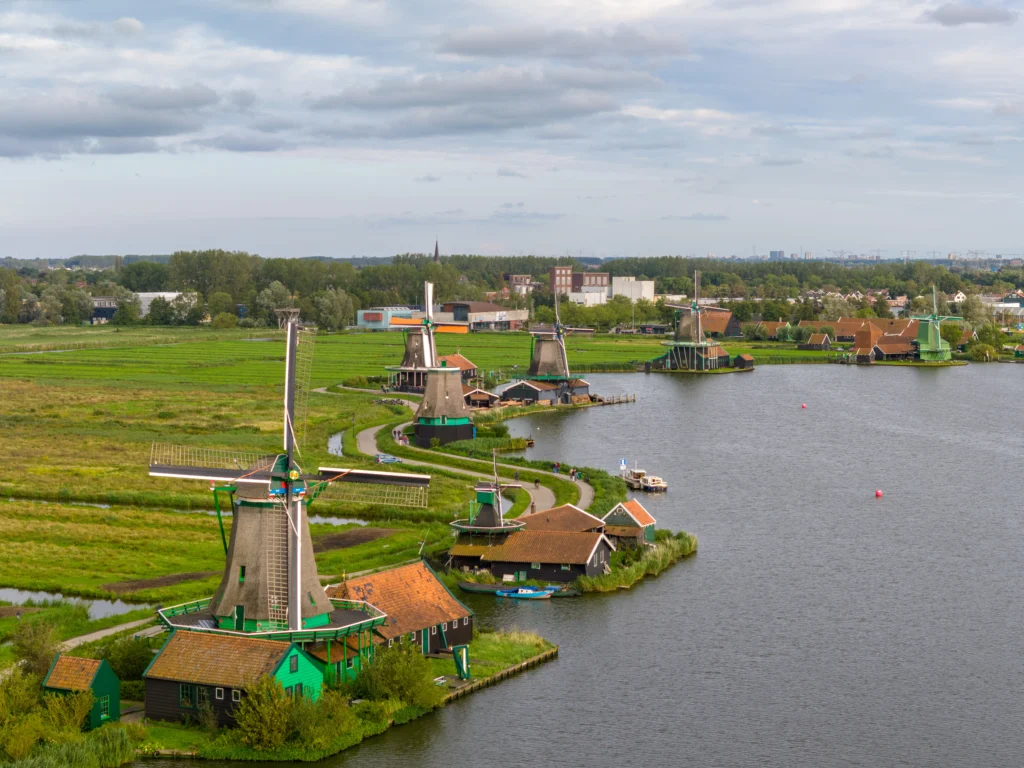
(420, 347)
(486, 516)
(689, 349)
(548, 360)
(270, 581)
(932, 347)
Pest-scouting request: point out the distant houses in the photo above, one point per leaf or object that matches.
(545, 555)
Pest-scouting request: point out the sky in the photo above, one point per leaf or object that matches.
(587, 127)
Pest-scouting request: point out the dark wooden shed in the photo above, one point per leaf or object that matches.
(69, 674)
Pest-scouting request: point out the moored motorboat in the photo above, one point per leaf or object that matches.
(654, 484)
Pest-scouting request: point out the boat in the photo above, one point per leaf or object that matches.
(566, 592)
(634, 477)
(524, 593)
(477, 588)
(654, 484)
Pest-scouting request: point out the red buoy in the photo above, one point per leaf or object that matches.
(803, 405)
(879, 494)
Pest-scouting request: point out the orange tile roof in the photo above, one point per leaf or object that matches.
(745, 356)
(895, 347)
(567, 517)
(637, 512)
(716, 322)
(563, 547)
(223, 660)
(319, 651)
(411, 595)
(545, 385)
(818, 338)
(624, 531)
(72, 674)
(458, 361)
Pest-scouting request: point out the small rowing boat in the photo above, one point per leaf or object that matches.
(524, 593)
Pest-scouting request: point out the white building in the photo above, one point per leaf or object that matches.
(588, 298)
(632, 288)
(146, 299)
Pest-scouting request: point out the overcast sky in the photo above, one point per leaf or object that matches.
(601, 127)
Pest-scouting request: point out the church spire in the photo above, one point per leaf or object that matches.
(437, 254)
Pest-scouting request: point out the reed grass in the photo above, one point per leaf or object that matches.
(669, 549)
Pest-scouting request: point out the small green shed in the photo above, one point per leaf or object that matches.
(69, 674)
(632, 513)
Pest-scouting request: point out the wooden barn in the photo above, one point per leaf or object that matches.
(418, 605)
(69, 674)
(894, 349)
(817, 341)
(196, 670)
(743, 362)
(548, 555)
(1018, 351)
(863, 355)
(466, 367)
(567, 517)
(630, 515)
(533, 392)
(479, 398)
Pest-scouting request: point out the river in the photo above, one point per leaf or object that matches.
(818, 625)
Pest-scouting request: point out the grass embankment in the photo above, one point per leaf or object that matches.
(28, 338)
(629, 567)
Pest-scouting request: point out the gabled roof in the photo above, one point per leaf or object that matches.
(635, 510)
(457, 361)
(563, 547)
(411, 595)
(711, 351)
(624, 531)
(538, 385)
(716, 322)
(745, 356)
(69, 673)
(468, 390)
(968, 335)
(567, 517)
(894, 347)
(467, 549)
(818, 338)
(231, 661)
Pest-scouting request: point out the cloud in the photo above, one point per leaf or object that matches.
(511, 173)
(958, 14)
(780, 161)
(523, 217)
(428, 179)
(697, 217)
(512, 205)
(877, 153)
(502, 42)
(242, 98)
(158, 98)
(65, 118)
(241, 142)
(123, 27)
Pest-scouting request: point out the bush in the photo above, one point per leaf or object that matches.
(67, 712)
(35, 643)
(22, 735)
(19, 695)
(133, 690)
(225, 320)
(129, 657)
(403, 673)
(983, 353)
(264, 715)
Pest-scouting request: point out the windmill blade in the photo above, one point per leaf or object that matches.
(191, 463)
(303, 375)
(430, 351)
(361, 486)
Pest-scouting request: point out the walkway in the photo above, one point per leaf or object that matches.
(543, 497)
(74, 642)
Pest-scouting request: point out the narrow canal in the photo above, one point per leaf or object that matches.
(818, 625)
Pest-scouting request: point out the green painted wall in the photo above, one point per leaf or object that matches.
(106, 683)
(308, 673)
(620, 517)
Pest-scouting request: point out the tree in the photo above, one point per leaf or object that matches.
(783, 333)
(35, 643)
(10, 289)
(333, 309)
(188, 308)
(129, 309)
(882, 308)
(224, 320)
(264, 715)
(951, 333)
(219, 303)
(274, 296)
(835, 307)
(983, 353)
(754, 332)
(973, 311)
(990, 334)
(76, 306)
(160, 312)
(144, 276)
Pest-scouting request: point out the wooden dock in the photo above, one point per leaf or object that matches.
(522, 666)
(615, 400)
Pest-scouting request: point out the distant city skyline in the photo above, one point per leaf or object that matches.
(369, 127)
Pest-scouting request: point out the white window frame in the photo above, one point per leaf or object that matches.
(433, 630)
(236, 695)
(293, 663)
(465, 621)
(218, 694)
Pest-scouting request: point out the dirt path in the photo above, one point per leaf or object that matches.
(350, 538)
(121, 587)
(543, 498)
(74, 642)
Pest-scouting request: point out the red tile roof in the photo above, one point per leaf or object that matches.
(745, 356)
(894, 347)
(716, 322)
(818, 338)
(411, 595)
(562, 547)
(567, 517)
(637, 512)
(457, 361)
(230, 661)
(72, 674)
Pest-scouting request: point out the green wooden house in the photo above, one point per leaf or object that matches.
(73, 675)
(629, 523)
(195, 670)
(1018, 351)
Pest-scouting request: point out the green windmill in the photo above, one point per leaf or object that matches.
(933, 348)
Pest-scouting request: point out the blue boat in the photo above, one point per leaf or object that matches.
(524, 593)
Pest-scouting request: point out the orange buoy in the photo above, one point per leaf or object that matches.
(879, 494)
(803, 405)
